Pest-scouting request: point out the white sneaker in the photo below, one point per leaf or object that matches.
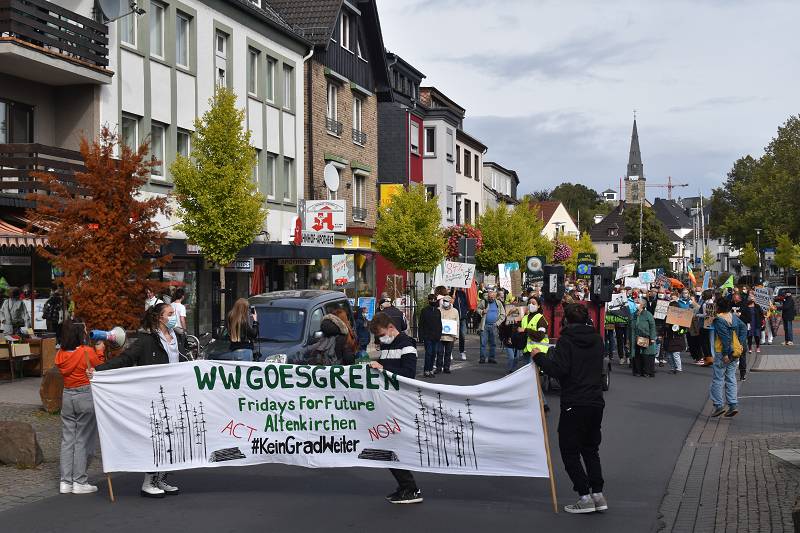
(463, 356)
(83, 488)
(65, 488)
(161, 483)
(150, 487)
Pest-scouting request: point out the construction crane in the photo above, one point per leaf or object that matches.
(669, 186)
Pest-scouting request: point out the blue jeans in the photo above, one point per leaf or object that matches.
(432, 349)
(489, 337)
(675, 361)
(511, 358)
(787, 331)
(723, 374)
(243, 354)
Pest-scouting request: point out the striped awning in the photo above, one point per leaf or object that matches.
(11, 235)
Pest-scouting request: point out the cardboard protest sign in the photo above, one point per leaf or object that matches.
(679, 316)
(763, 298)
(454, 274)
(227, 413)
(516, 282)
(710, 312)
(625, 271)
(661, 309)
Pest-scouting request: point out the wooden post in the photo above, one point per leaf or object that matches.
(546, 438)
(110, 489)
(33, 290)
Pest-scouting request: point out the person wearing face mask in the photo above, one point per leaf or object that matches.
(492, 313)
(398, 354)
(430, 333)
(535, 325)
(685, 301)
(643, 341)
(158, 345)
(452, 315)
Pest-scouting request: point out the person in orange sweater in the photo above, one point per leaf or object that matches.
(79, 427)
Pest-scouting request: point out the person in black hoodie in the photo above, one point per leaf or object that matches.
(398, 354)
(430, 333)
(577, 362)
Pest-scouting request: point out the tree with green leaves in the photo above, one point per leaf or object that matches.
(582, 245)
(656, 246)
(785, 253)
(510, 235)
(708, 259)
(219, 205)
(749, 255)
(408, 231)
(581, 202)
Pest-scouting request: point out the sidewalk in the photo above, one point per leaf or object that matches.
(725, 479)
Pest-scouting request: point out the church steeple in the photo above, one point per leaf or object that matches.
(634, 179)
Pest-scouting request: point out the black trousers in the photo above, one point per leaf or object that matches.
(405, 479)
(705, 336)
(695, 347)
(743, 364)
(579, 438)
(622, 344)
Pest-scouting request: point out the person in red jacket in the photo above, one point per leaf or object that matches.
(78, 425)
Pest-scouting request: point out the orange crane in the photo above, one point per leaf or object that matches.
(669, 186)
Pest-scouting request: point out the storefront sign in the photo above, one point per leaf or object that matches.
(209, 414)
(15, 260)
(312, 238)
(238, 265)
(296, 262)
(326, 215)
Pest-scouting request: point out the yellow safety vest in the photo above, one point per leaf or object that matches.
(544, 344)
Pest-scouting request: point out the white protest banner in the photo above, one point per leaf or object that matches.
(647, 277)
(504, 274)
(635, 283)
(617, 300)
(450, 327)
(227, 413)
(625, 271)
(662, 307)
(453, 274)
(763, 298)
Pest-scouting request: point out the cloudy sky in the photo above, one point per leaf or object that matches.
(550, 86)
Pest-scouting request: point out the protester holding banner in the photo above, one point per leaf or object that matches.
(492, 313)
(337, 345)
(398, 354)
(451, 319)
(78, 424)
(397, 315)
(157, 346)
(643, 334)
(577, 362)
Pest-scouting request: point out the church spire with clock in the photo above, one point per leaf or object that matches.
(634, 180)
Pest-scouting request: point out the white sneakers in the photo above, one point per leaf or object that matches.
(463, 356)
(65, 488)
(76, 488)
(156, 486)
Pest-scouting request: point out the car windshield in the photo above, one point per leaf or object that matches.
(279, 324)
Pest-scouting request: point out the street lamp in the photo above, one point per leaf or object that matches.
(758, 250)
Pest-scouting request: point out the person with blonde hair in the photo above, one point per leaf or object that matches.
(242, 330)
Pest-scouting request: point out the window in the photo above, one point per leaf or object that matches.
(477, 212)
(413, 138)
(430, 141)
(467, 211)
(449, 146)
(222, 58)
(157, 149)
(253, 56)
(344, 31)
(359, 197)
(359, 53)
(288, 84)
(333, 102)
(358, 104)
(270, 79)
(449, 202)
(129, 133)
(184, 143)
(157, 29)
(616, 248)
(430, 191)
(270, 173)
(458, 159)
(127, 29)
(182, 40)
(288, 178)
(468, 163)
(477, 168)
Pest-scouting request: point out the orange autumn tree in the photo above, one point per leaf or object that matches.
(102, 231)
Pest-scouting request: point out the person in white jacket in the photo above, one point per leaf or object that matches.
(14, 314)
(451, 321)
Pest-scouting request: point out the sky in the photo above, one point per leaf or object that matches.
(551, 86)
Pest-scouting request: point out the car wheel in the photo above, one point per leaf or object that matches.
(607, 379)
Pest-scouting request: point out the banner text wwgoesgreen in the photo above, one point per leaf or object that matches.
(290, 376)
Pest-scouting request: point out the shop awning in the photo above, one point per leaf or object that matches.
(11, 235)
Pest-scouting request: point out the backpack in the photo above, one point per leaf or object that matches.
(18, 315)
(51, 309)
(738, 349)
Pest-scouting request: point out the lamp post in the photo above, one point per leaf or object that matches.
(758, 250)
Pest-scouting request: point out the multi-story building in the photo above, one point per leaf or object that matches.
(345, 79)
(499, 185)
(557, 220)
(469, 177)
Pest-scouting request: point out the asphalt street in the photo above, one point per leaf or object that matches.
(645, 424)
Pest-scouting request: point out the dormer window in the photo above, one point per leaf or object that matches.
(344, 31)
(613, 232)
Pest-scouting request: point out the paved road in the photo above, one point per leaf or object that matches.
(646, 423)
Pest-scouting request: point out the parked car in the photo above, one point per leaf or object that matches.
(288, 321)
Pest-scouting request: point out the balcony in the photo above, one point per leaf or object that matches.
(333, 126)
(50, 44)
(359, 137)
(359, 214)
(19, 161)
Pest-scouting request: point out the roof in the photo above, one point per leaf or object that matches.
(635, 167)
(313, 19)
(616, 220)
(670, 213)
(501, 168)
(405, 65)
(609, 190)
(547, 209)
(463, 136)
(271, 16)
(11, 235)
(427, 93)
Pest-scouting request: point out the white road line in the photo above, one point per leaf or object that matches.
(772, 396)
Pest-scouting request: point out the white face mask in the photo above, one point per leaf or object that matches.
(446, 305)
(386, 339)
(533, 308)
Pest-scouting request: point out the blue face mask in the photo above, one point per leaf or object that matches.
(172, 322)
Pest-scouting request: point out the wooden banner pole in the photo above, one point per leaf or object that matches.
(110, 489)
(546, 438)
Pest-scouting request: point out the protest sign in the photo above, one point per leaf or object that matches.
(489, 280)
(707, 280)
(504, 274)
(625, 271)
(617, 301)
(516, 282)
(646, 278)
(450, 327)
(679, 316)
(367, 302)
(343, 269)
(585, 262)
(456, 275)
(636, 283)
(663, 281)
(227, 413)
(763, 298)
(661, 309)
(710, 312)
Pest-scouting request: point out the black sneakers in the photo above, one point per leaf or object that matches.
(718, 411)
(405, 496)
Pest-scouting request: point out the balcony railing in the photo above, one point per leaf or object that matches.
(55, 29)
(333, 126)
(359, 214)
(359, 137)
(19, 161)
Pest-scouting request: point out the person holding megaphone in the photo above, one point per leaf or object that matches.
(157, 346)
